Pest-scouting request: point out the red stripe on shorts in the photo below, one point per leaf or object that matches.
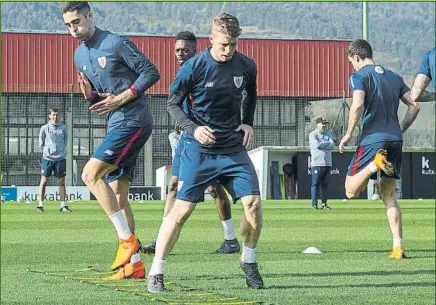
(191, 101)
(357, 161)
(129, 144)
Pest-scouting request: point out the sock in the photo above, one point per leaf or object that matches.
(120, 224)
(248, 255)
(157, 267)
(62, 204)
(372, 167)
(229, 229)
(40, 204)
(135, 258)
(397, 242)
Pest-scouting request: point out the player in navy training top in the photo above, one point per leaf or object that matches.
(376, 94)
(185, 47)
(119, 74)
(426, 74)
(214, 138)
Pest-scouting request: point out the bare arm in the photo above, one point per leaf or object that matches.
(355, 110)
(421, 82)
(412, 111)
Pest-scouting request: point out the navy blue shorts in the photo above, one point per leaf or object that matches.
(366, 153)
(121, 148)
(233, 171)
(53, 168)
(175, 166)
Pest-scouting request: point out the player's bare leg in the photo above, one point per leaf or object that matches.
(169, 233)
(251, 227)
(172, 193)
(120, 187)
(41, 193)
(222, 202)
(394, 215)
(62, 189)
(93, 176)
(355, 184)
(135, 268)
(150, 248)
(251, 220)
(62, 194)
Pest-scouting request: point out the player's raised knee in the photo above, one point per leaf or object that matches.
(351, 195)
(350, 190)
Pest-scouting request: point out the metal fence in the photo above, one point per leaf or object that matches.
(279, 121)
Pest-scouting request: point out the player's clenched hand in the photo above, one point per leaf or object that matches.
(204, 135)
(248, 135)
(347, 138)
(84, 85)
(110, 103)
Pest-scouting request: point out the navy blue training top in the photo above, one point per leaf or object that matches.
(113, 64)
(383, 90)
(215, 93)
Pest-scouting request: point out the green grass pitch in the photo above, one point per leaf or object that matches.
(354, 268)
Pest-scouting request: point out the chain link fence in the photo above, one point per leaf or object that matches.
(279, 121)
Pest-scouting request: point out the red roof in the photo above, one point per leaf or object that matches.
(34, 62)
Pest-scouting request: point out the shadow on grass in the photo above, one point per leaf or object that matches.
(327, 274)
(381, 251)
(390, 285)
(358, 251)
(363, 251)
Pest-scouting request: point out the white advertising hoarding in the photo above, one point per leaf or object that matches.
(30, 193)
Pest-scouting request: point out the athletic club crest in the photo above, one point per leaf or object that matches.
(238, 81)
(102, 61)
(379, 70)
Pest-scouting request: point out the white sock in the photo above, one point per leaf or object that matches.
(248, 254)
(40, 204)
(397, 242)
(120, 224)
(229, 229)
(62, 204)
(372, 167)
(135, 258)
(158, 266)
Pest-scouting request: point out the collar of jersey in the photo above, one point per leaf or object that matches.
(94, 37)
(218, 62)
